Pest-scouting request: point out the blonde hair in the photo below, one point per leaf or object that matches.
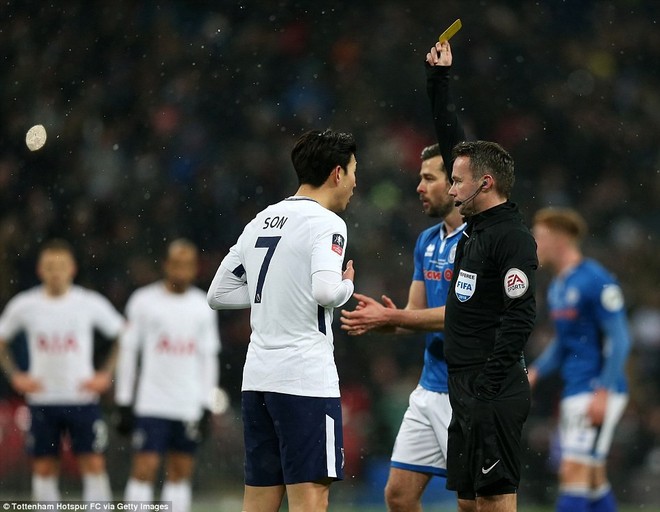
(564, 220)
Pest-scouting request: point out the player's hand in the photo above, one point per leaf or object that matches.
(99, 383)
(23, 383)
(597, 407)
(124, 420)
(369, 314)
(440, 54)
(349, 273)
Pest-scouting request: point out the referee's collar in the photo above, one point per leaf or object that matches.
(494, 215)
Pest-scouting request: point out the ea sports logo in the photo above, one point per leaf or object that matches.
(515, 283)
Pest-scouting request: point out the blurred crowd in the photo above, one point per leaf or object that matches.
(176, 118)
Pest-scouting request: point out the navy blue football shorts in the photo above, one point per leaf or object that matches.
(83, 424)
(162, 435)
(291, 439)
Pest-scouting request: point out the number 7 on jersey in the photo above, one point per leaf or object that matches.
(270, 243)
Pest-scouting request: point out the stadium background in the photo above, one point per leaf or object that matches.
(176, 118)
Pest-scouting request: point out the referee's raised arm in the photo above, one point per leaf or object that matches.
(448, 128)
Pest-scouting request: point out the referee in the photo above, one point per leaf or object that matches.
(490, 314)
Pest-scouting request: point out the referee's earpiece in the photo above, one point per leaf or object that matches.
(484, 183)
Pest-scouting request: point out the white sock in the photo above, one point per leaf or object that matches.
(96, 487)
(138, 490)
(44, 488)
(179, 493)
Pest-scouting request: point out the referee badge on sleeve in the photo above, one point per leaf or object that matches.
(338, 243)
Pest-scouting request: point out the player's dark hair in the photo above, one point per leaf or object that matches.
(317, 153)
(489, 158)
(432, 151)
(56, 244)
(564, 220)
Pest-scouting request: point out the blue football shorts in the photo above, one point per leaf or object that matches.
(291, 439)
(163, 435)
(82, 423)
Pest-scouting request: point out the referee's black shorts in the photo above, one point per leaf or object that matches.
(484, 435)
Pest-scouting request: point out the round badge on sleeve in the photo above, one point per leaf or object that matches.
(611, 298)
(515, 283)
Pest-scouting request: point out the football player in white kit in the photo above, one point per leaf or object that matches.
(172, 330)
(287, 266)
(61, 385)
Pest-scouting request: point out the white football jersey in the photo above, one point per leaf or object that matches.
(291, 347)
(60, 335)
(176, 336)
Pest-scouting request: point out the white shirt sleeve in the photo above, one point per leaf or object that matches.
(108, 320)
(210, 376)
(209, 367)
(125, 376)
(330, 290)
(228, 291)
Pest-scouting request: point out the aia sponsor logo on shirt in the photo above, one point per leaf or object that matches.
(338, 243)
(56, 344)
(515, 283)
(178, 347)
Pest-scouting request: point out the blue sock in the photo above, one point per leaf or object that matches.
(572, 503)
(603, 502)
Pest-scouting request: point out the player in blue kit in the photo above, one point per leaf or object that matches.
(590, 348)
(420, 449)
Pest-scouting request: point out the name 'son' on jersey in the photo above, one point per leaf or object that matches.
(276, 222)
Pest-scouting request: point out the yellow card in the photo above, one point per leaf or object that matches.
(451, 31)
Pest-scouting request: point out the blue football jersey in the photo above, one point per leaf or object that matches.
(434, 264)
(592, 339)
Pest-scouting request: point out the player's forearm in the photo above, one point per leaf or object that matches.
(210, 378)
(616, 331)
(330, 290)
(548, 361)
(228, 291)
(6, 360)
(125, 375)
(429, 319)
(111, 361)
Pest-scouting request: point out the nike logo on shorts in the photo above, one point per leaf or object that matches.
(486, 471)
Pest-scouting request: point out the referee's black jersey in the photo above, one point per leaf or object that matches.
(491, 307)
